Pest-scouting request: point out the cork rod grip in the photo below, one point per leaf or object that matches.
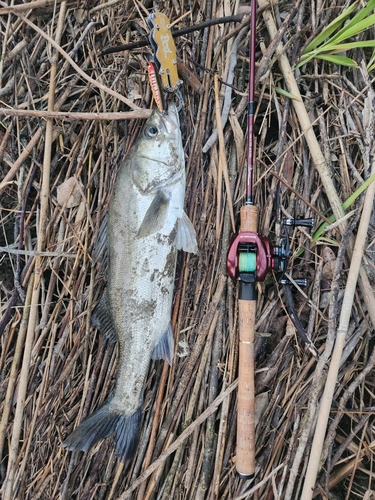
(245, 462)
(249, 218)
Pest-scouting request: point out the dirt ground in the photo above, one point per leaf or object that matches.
(71, 108)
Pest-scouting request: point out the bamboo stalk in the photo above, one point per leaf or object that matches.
(223, 166)
(35, 279)
(48, 140)
(326, 401)
(71, 115)
(305, 122)
(37, 4)
(21, 395)
(16, 165)
(7, 405)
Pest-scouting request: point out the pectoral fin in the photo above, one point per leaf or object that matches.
(156, 215)
(186, 238)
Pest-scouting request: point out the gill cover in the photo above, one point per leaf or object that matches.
(158, 156)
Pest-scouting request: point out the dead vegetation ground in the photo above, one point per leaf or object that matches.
(55, 368)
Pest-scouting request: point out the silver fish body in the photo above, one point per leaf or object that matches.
(145, 228)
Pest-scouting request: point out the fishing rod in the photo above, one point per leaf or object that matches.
(250, 258)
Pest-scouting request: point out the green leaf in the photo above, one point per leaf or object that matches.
(371, 63)
(358, 192)
(323, 45)
(285, 93)
(342, 47)
(330, 29)
(361, 14)
(323, 240)
(305, 60)
(345, 205)
(340, 60)
(354, 29)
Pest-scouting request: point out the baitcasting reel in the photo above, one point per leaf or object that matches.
(251, 257)
(252, 253)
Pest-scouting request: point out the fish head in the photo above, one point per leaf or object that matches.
(158, 155)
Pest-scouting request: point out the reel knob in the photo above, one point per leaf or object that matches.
(299, 222)
(299, 281)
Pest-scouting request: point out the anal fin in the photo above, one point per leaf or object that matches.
(164, 349)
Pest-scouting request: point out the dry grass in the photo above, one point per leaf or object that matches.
(55, 368)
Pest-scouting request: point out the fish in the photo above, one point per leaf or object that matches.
(145, 227)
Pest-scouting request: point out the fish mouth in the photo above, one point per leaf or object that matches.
(170, 119)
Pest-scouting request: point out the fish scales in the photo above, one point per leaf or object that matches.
(146, 226)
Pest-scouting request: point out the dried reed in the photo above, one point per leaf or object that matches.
(69, 112)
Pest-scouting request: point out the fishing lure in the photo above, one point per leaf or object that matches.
(164, 51)
(155, 84)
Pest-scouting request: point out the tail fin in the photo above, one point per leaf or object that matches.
(101, 424)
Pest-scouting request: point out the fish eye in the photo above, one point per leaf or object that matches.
(151, 131)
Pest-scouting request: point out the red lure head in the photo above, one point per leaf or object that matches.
(155, 84)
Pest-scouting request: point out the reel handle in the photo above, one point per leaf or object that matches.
(299, 222)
